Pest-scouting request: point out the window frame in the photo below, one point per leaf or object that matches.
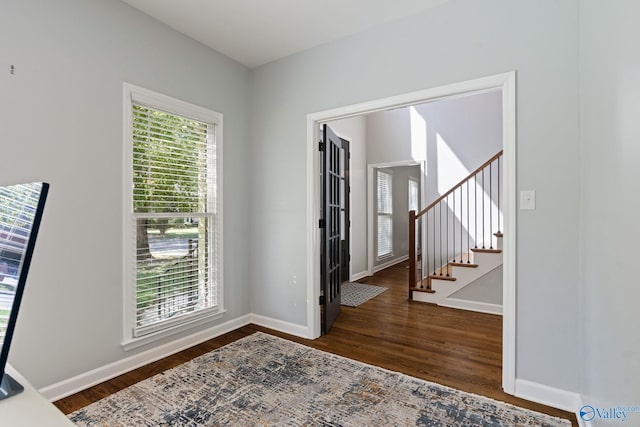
(136, 95)
(389, 214)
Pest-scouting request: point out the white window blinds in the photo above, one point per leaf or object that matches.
(385, 214)
(413, 195)
(174, 217)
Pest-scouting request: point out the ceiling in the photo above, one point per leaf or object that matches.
(255, 32)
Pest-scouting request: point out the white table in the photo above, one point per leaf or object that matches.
(29, 408)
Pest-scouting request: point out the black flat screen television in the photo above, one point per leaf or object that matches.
(21, 209)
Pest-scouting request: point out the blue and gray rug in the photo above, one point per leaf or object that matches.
(262, 380)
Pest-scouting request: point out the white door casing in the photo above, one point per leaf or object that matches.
(506, 82)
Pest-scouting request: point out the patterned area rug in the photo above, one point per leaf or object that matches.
(268, 381)
(353, 294)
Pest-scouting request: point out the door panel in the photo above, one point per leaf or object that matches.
(331, 230)
(345, 223)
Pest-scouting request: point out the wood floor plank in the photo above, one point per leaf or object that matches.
(456, 348)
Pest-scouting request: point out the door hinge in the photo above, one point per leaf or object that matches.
(321, 223)
(322, 300)
(321, 146)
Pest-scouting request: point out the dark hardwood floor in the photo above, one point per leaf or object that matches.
(457, 348)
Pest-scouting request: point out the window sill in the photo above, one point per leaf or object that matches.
(132, 343)
(385, 257)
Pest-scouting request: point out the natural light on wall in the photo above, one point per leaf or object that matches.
(451, 171)
(418, 135)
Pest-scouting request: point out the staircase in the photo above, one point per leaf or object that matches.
(457, 239)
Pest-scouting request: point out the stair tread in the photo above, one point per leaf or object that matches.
(429, 291)
(463, 264)
(487, 250)
(443, 277)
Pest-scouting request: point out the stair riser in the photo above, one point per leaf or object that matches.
(464, 276)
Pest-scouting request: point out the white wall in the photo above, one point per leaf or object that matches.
(61, 121)
(355, 129)
(610, 154)
(457, 135)
(460, 40)
(462, 134)
(486, 289)
(389, 137)
(454, 136)
(60, 116)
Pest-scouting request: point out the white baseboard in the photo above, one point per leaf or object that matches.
(281, 325)
(96, 376)
(88, 379)
(546, 395)
(482, 307)
(388, 264)
(359, 276)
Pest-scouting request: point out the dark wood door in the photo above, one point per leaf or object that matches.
(331, 148)
(345, 222)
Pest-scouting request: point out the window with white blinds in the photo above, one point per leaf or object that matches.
(174, 226)
(385, 214)
(413, 195)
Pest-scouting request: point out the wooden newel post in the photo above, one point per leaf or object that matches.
(412, 253)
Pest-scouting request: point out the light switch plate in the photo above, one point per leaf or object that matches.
(527, 200)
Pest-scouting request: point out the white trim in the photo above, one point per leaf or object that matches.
(390, 165)
(359, 276)
(390, 263)
(507, 83)
(170, 104)
(104, 373)
(96, 376)
(313, 232)
(481, 84)
(410, 180)
(509, 278)
(135, 94)
(185, 324)
(280, 325)
(370, 246)
(546, 395)
(371, 167)
(463, 304)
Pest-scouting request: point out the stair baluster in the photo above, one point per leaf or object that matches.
(490, 207)
(441, 236)
(453, 227)
(475, 206)
(433, 247)
(461, 225)
(434, 241)
(484, 191)
(468, 232)
(498, 162)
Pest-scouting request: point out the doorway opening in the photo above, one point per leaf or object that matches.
(503, 82)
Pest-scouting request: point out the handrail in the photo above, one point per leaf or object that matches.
(458, 185)
(418, 283)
